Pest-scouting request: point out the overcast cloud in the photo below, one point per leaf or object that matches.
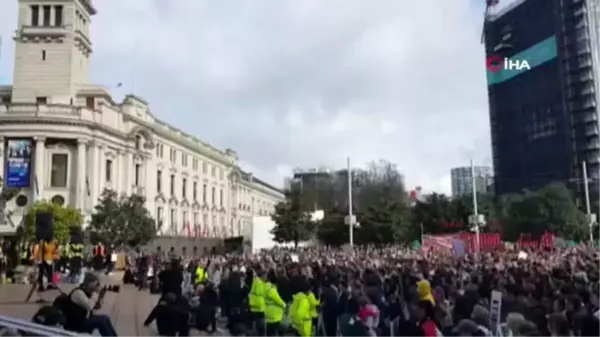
(304, 82)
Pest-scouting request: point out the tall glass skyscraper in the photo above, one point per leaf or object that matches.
(462, 180)
(544, 120)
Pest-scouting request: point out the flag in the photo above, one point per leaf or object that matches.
(415, 195)
(437, 242)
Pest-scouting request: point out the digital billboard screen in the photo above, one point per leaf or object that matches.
(18, 163)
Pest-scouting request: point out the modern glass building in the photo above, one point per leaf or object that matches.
(462, 180)
(544, 120)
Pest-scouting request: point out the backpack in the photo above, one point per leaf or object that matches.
(61, 302)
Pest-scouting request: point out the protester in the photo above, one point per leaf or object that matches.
(79, 305)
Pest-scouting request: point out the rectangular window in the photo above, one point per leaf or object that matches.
(204, 193)
(172, 184)
(195, 191)
(159, 181)
(213, 196)
(108, 170)
(221, 174)
(159, 214)
(58, 16)
(183, 187)
(196, 219)
(138, 174)
(213, 171)
(43, 55)
(46, 12)
(173, 219)
(41, 100)
(184, 220)
(35, 15)
(221, 198)
(90, 103)
(59, 170)
(204, 167)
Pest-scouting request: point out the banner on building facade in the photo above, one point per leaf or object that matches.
(18, 163)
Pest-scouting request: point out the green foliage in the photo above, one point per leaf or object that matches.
(551, 208)
(384, 221)
(332, 230)
(292, 223)
(385, 216)
(122, 220)
(65, 217)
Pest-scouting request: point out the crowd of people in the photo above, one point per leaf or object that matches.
(383, 291)
(366, 291)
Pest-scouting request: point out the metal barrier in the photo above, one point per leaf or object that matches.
(33, 329)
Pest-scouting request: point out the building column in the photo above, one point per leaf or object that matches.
(81, 173)
(128, 169)
(117, 172)
(101, 178)
(39, 177)
(94, 179)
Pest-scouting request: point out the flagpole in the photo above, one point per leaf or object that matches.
(350, 215)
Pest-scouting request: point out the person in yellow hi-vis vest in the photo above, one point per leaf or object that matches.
(256, 302)
(300, 313)
(274, 306)
(314, 309)
(201, 276)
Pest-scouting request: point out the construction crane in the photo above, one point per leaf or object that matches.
(489, 6)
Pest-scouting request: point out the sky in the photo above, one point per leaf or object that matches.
(302, 83)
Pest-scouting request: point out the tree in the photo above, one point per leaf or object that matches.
(433, 213)
(385, 221)
(551, 208)
(332, 230)
(122, 220)
(65, 217)
(379, 203)
(292, 223)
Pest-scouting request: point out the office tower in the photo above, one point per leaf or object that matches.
(462, 180)
(544, 116)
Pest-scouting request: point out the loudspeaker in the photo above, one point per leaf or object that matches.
(44, 226)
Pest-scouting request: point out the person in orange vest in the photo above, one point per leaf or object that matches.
(44, 254)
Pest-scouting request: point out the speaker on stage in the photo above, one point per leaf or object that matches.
(44, 226)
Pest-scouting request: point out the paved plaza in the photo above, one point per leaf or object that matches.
(128, 308)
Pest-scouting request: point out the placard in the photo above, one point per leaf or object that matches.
(18, 163)
(495, 310)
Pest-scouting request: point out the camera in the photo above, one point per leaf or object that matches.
(113, 288)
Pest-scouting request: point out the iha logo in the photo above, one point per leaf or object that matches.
(496, 63)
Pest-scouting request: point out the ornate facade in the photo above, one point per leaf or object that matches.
(82, 142)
